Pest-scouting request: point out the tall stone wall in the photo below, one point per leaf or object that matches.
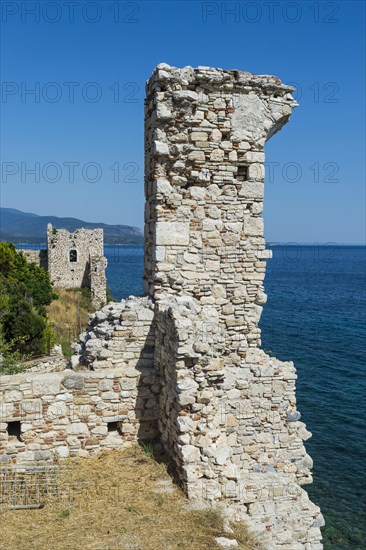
(228, 411)
(205, 136)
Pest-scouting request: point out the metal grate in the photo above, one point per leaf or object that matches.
(23, 487)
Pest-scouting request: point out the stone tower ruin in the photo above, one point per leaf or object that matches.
(184, 364)
(228, 410)
(74, 260)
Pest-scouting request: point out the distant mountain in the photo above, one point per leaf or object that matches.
(23, 227)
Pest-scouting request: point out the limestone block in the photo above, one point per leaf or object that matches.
(57, 410)
(106, 384)
(185, 398)
(199, 136)
(216, 135)
(226, 543)
(159, 253)
(42, 455)
(185, 424)
(162, 186)
(6, 411)
(100, 430)
(185, 94)
(252, 190)
(172, 233)
(222, 455)
(197, 156)
(253, 226)
(163, 112)
(190, 453)
(254, 156)
(256, 172)
(13, 395)
(46, 384)
(161, 148)
(77, 428)
(197, 193)
(73, 382)
(63, 397)
(31, 406)
(63, 451)
(217, 155)
(26, 457)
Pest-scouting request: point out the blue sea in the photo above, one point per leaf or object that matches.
(316, 317)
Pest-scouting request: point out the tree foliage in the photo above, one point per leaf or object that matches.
(25, 291)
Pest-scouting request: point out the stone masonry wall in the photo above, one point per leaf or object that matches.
(74, 414)
(39, 257)
(87, 271)
(204, 140)
(228, 411)
(233, 431)
(120, 335)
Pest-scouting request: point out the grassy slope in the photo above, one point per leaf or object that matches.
(69, 316)
(117, 500)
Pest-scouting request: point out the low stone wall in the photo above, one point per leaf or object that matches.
(54, 362)
(45, 416)
(119, 335)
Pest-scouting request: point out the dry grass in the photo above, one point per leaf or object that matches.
(68, 316)
(112, 501)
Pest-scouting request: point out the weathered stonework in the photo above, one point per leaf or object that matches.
(74, 260)
(224, 410)
(39, 257)
(65, 413)
(121, 335)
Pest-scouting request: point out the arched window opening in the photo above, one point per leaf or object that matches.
(73, 255)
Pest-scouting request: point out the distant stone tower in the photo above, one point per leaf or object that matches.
(76, 260)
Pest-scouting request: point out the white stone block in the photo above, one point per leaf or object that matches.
(78, 428)
(217, 155)
(162, 186)
(197, 156)
(190, 453)
(222, 455)
(186, 94)
(56, 410)
(46, 384)
(172, 233)
(163, 112)
(226, 543)
(253, 227)
(185, 424)
(63, 451)
(161, 148)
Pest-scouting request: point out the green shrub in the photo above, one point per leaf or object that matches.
(10, 362)
(25, 291)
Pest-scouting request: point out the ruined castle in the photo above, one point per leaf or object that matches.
(74, 260)
(183, 364)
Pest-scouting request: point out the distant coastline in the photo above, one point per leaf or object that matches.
(28, 229)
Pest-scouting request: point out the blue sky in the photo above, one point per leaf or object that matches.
(88, 63)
